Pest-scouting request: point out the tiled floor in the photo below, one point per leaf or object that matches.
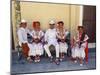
(46, 66)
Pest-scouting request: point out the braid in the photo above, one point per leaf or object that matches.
(82, 38)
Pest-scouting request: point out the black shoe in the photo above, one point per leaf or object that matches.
(57, 61)
(51, 59)
(61, 59)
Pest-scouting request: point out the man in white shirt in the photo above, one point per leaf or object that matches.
(22, 37)
(51, 39)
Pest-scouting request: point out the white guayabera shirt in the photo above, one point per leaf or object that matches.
(50, 36)
(22, 35)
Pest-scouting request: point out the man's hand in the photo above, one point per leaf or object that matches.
(63, 40)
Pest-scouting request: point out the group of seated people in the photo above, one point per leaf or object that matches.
(54, 37)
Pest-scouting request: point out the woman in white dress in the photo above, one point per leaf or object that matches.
(80, 43)
(37, 35)
(61, 35)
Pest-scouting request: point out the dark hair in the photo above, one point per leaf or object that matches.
(34, 23)
(82, 38)
(61, 22)
(37, 22)
(80, 27)
(83, 35)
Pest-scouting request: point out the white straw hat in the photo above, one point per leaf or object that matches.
(23, 21)
(52, 22)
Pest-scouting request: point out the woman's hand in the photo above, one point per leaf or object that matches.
(36, 40)
(46, 42)
(63, 40)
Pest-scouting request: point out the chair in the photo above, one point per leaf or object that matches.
(19, 52)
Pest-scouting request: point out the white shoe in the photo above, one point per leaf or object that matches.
(29, 59)
(38, 60)
(35, 61)
(81, 64)
(75, 61)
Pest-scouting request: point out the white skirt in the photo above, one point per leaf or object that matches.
(37, 49)
(78, 52)
(63, 47)
(31, 49)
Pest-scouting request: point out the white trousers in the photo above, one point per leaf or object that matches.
(46, 47)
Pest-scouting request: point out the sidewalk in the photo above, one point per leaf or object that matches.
(46, 66)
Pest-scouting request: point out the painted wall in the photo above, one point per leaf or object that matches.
(44, 12)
